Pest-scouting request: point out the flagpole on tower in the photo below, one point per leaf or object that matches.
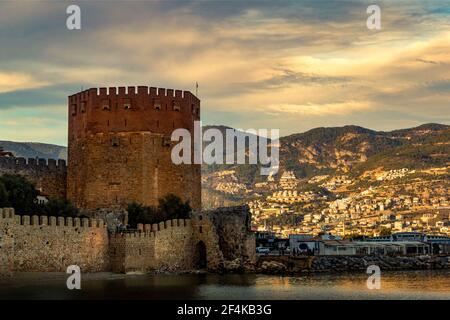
(196, 89)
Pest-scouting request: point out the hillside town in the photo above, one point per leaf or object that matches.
(379, 203)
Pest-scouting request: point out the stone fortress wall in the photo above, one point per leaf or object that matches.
(232, 225)
(42, 243)
(50, 176)
(7, 224)
(52, 244)
(119, 147)
(119, 151)
(167, 246)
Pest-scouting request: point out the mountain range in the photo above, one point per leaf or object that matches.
(353, 150)
(34, 150)
(326, 150)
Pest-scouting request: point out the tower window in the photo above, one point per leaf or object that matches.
(157, 104)
(83, 107)
(126, 103)
(73, 109)
(166, 141)
(176, 106)
(115, 141)
(105, 105)
(200, 229)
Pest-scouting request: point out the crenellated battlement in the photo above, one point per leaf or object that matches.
(19, 163)
(42, 244)
(49, 176)
(152, 230)
(143, 108)
(35, 220)
(6, 213)
(168, 224)
(132, 92)
(53, 221)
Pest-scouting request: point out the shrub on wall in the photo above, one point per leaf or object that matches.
(58, 207)
(169, 207)
(172, 207)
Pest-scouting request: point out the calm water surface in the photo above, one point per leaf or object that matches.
(394, 285)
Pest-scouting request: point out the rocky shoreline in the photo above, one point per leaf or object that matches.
(285, 265)
(331, 264)
(351, 263)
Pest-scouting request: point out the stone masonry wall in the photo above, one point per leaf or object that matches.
(132, 252)
(173, 245)
(232, 224)
(52, 244)
(112, 170)
(50, 176)
(167, 246)
(205, 232)
(6, 242)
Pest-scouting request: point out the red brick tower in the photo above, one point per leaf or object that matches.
(119, 147)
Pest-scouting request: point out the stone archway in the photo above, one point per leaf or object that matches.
(200, 256)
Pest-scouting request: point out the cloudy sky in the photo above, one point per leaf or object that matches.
(292, 65)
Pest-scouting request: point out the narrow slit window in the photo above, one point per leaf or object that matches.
(157, 104)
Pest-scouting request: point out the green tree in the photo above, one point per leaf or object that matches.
(384, 232)
(137, 213)
(21, 194)
(4, 197)
(172, 207)
(353, 236)
(58, 207)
